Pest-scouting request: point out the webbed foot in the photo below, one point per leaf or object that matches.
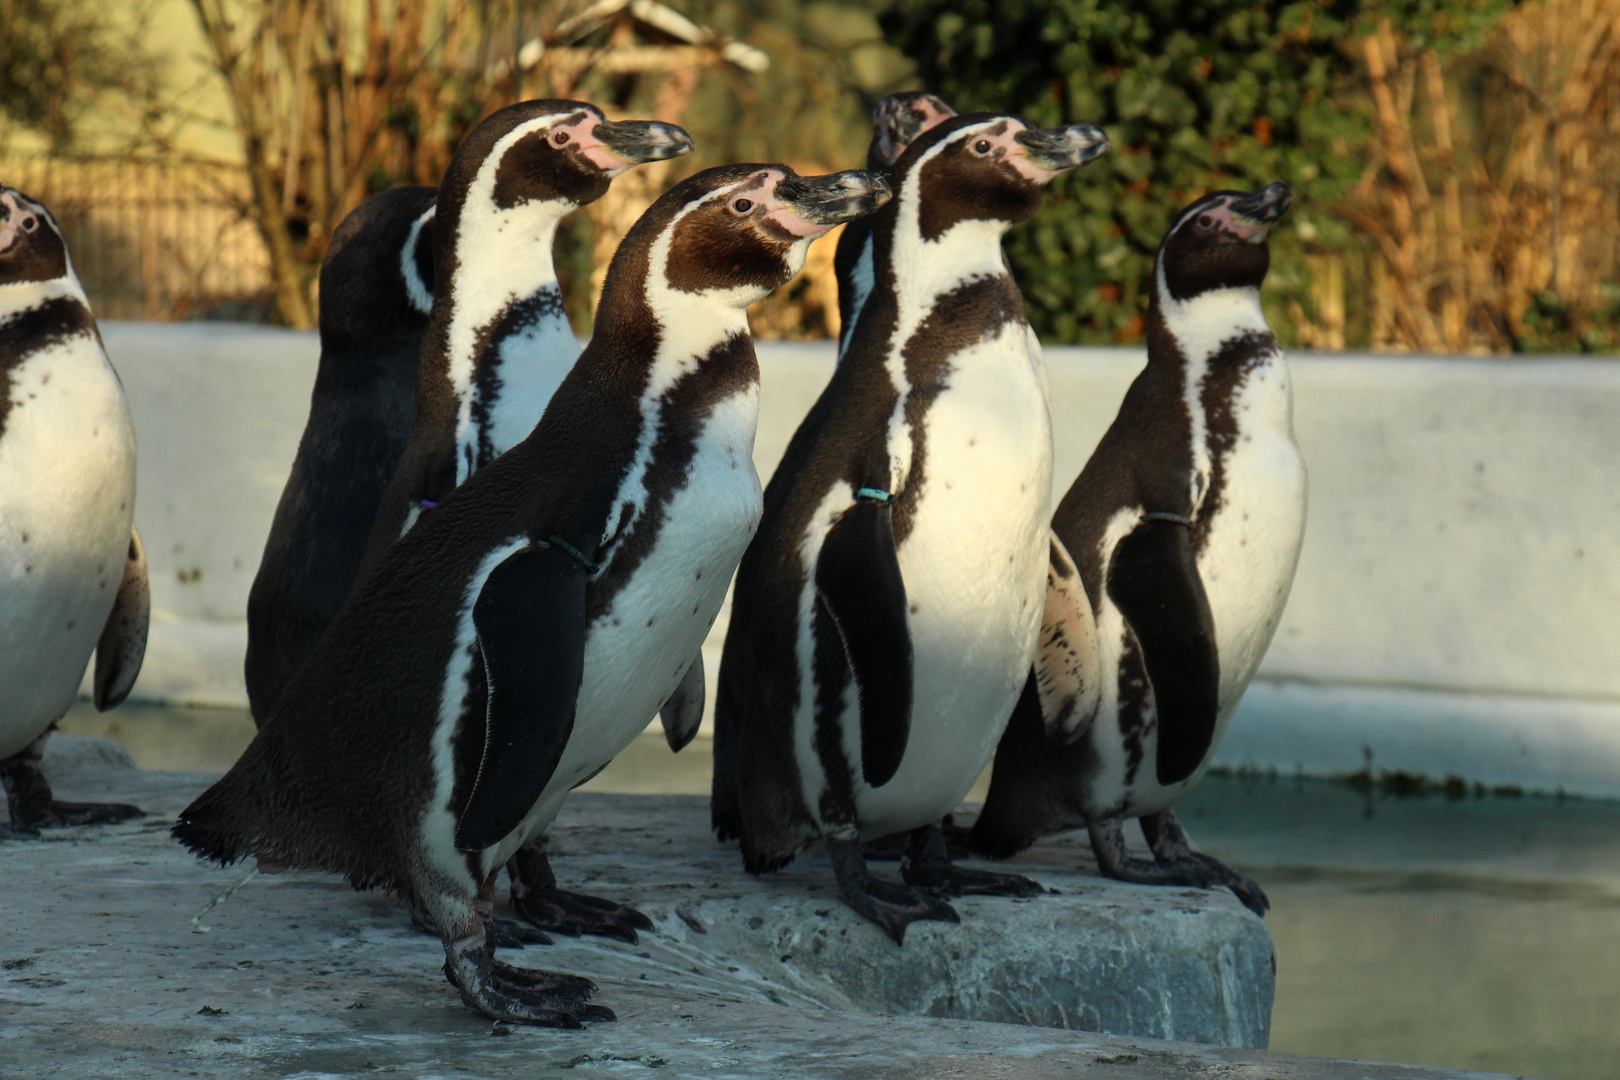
(1174, 860)
(927, 865)
(536, 897)
(33, 807)
(893, 907)
(518, 995)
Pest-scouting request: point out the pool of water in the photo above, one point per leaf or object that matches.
(1480, 933)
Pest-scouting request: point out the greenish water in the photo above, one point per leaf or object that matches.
(1479, 933)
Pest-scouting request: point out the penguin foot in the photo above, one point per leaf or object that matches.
(12, 830)
(518, 995)
(56, 814)
(536, 897)
(893, 907)
(927, 865)
(508, 933)
(32, 807)
(1171, 845)
(1174, 861)
(892, 848)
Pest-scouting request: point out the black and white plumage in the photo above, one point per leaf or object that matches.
(525, 631)
(376, 295)
(72, 573)
(896, 123)
(1172, 558)
(454, 295)
(498, 341)
(885, 616)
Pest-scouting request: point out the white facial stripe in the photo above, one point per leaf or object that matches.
(503, 255)
(689, 326)
(416, 290)
(1201, 325)
(923, 271)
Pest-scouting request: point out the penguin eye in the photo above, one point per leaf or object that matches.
(1205, 221)
(29, 224)
(560, 138)
(742, 206)
(982, 146)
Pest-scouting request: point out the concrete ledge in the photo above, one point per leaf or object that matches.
(1163, 963)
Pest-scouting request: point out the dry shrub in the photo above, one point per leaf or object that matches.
(1492, 197)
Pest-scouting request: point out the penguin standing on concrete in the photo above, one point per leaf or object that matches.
(1172, 557)
(497, 345)
(896, 123)
(884, 619)
(526, 630)
(376, 295)
(72, 573)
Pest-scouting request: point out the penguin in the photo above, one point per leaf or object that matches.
(896, 123)
(885, 616)
(498, 340)
(1171, 559)
(72, 570)
(376, 291)
(526, 630)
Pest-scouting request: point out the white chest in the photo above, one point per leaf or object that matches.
(1255, 519)
(67, 501)
(973, 564)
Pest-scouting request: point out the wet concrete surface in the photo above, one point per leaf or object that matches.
(1477, 933)
(103, 974)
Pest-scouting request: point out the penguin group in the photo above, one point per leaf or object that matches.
(497, 555)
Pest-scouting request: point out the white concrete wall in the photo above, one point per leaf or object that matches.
(1454, 609)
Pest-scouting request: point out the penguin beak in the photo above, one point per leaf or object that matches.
(1252, 216)
(616, 145)
(813, 205)
(1049, 151)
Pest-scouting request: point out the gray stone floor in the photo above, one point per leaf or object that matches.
(299, 976)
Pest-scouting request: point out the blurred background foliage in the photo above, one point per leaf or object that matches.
(1456, 163)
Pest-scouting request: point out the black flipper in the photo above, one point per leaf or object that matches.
(122, 644)
(1153, 580)
(682, 714)
(530, 618)
(858, 580)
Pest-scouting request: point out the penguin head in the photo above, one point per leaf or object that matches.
(561, 153)
(31, 245)
(1219, 242)
(984, 167)
(898, 120)
(736, 232)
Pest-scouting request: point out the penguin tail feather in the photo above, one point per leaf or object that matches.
(204, 830)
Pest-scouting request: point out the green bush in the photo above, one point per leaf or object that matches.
(1194, 96)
